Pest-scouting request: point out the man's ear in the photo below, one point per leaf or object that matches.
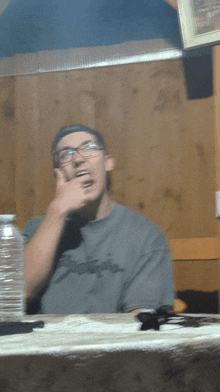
(109, 163)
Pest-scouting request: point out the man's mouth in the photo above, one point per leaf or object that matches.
(87, 184)
(82, 173)
(88, 181)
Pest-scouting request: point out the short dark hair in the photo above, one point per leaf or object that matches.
(64, 131)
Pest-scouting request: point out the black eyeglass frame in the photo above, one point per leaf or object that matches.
(97, 147)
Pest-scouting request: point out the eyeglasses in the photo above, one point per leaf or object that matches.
(86, 150)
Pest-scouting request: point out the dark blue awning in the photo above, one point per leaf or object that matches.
(28, 26)
(57, 35)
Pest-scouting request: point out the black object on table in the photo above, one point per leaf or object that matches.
(154, 319)
(12, 328)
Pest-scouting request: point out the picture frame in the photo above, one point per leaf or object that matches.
(199, 22)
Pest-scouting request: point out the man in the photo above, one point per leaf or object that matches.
(88, 254)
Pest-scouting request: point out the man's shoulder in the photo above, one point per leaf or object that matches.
(142, 230)
(136, 219)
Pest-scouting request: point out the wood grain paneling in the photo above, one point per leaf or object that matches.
(170, 172)
(195, 264)
(163, 143)
(52, 114)
(216, 84)
(197, 275)
(27, 146)
(194, 248)
(7, 146)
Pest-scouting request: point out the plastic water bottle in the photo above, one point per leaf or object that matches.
(11, 271)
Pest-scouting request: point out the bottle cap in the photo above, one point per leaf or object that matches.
(7, 218)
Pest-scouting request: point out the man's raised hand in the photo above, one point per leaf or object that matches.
(70, 195)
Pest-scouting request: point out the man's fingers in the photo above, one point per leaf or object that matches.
(61, 180)
(70, 194)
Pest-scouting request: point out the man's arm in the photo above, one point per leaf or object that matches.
(40, 250)
(151, 284)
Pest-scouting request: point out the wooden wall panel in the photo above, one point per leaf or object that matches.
(52, 114)
(104, 97)
(216, 83)
(170, 152)
(7, 146)
(195, 263)
(163, 144)
(95, 98)
(194, 248)
(27, 146)
(197, 275)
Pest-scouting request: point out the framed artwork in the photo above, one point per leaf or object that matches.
(199, 21)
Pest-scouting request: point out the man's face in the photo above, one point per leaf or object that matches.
(97, 166)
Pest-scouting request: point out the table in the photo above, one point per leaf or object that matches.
(109, 353)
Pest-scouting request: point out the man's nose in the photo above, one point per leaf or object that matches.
(77, 158)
